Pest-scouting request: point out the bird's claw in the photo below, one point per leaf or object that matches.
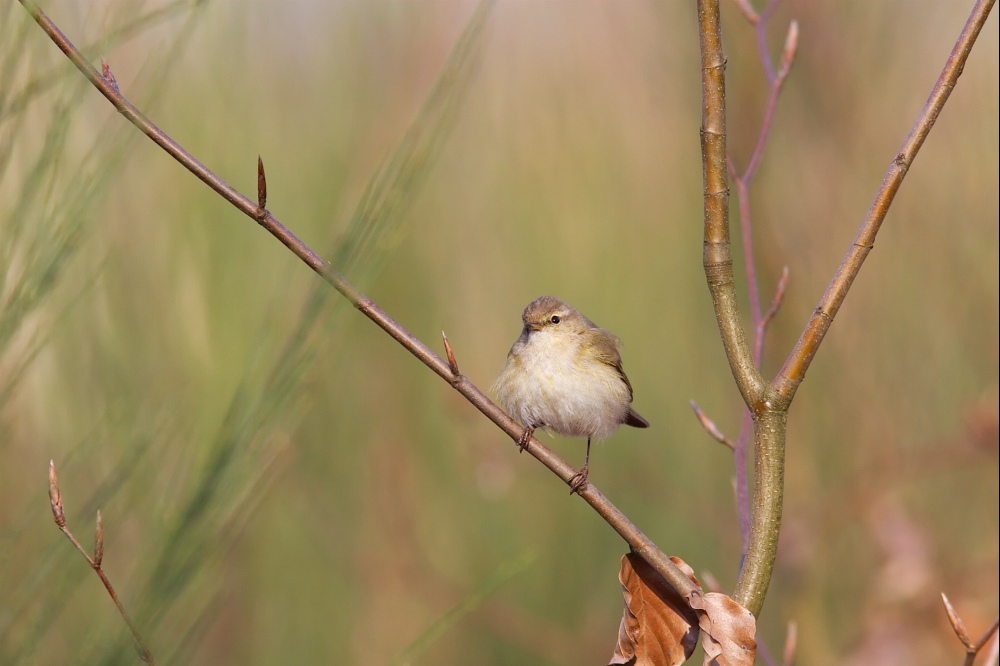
(522, 441)
(578, 480)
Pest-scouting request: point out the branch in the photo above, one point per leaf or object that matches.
(794, 369)
(59, 514)
(718, 257)
(638, 541)
(769, 404)
(769, 420)
(758, 319)
(972, 648)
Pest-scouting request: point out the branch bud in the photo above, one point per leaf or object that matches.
(791, 47)
(99, 540)
(55, 497)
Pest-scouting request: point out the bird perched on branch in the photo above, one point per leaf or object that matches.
(564, 374)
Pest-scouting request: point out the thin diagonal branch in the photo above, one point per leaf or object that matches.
(638, 541)
(795, 367)
(95, 561)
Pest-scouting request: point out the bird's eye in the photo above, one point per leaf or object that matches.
(554, 319)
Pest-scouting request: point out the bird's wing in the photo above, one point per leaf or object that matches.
(605, 349)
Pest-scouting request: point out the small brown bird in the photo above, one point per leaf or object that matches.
(564, 374)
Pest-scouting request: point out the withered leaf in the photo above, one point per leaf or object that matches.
(727, 630)
(658, 628)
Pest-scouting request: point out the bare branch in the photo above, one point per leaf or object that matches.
(758, 319)
(795, 367)
(788, 57)
(971, 649)
(748, 10)
(718, 258)
(55, 500)
(639, 542)
(710, 427)
(765, 519)
(776, 301)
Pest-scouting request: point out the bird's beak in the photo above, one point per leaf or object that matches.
(532, 326)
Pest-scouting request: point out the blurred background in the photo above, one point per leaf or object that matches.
(282, 483)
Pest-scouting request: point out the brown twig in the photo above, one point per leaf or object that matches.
(795, 367)
(971, 648)
(59, 514)
(710, 427)
(638, 541)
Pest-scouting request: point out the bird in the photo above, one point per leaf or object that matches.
(564, 374)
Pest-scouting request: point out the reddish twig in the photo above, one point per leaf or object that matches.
(791, 641)
(748, 11)
(776, 301)
(59, 514)
(638, 542)
(710, 427)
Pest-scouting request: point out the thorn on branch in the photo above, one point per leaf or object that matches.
(452, 363)
(261, 191)
(108, 76)
(711, 428)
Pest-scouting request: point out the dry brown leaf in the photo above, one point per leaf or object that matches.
(658, 628)
(727, 630)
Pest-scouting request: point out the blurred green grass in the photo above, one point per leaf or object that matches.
(358, 500)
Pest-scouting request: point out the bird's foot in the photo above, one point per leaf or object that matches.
(522, 441)
(578, 480)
